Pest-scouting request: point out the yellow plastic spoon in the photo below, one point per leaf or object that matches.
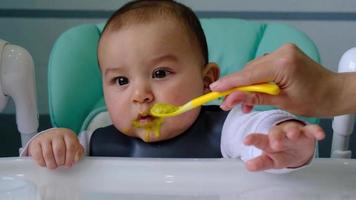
(168, 110)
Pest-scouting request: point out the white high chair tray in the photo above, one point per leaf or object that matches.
(184, 179)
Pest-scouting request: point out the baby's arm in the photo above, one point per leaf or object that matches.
(247, 136)
(55, 147)
(290, 144)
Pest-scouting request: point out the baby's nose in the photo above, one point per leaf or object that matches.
(142, 95)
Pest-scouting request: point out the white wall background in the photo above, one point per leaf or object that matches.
(35, 24)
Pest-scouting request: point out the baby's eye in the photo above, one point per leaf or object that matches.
(121, 80)
(160, 73)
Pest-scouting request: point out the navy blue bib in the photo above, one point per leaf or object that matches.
(201, 140)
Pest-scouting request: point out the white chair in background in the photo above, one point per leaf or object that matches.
(343, 125)
(18, 83)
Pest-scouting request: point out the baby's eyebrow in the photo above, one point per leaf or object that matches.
(165, 57)
(111, 70)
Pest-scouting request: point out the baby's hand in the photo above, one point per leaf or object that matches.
(56, 147)
(288, 145)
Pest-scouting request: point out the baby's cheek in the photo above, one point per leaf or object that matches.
(175, 101)
(184, 121)
(177, 98)
(122, 123)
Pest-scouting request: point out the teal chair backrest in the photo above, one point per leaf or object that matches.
(75, 82)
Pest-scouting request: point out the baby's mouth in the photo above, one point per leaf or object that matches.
(144, 120)
(150, 124)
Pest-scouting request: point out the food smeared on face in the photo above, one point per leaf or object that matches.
(150, 124)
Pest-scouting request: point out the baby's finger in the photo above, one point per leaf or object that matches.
(276, 138)
(59, 151)
(47, 151)
(292, 132)
(260, 141)
(71, 150)
(79, 154)
(35, 151)
(262, 162)
(314, 131)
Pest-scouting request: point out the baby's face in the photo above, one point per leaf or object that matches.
(143, 64)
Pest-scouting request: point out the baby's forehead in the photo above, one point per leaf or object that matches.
(159, 29)
(132, 20)
(168, 27)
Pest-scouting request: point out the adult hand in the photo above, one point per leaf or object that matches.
(307, 88)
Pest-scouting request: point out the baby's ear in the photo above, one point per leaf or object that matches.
(210, 74)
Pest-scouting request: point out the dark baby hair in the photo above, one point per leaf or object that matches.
(148, 10)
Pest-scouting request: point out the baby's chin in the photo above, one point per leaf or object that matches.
(151, 136)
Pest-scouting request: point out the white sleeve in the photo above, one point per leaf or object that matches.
(238, 125)
(83, 139)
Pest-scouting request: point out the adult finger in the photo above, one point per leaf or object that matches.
(263, 99)
(256, 71)
(246, 108)
(244, 77)
(249, 100)
(232, 99)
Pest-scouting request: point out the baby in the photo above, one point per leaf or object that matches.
(154, 51)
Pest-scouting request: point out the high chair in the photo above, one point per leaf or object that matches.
(343, 125)
(75, 89)
(17, 82)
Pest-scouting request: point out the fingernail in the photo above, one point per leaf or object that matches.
(213, 85)
(223, 107)
(76, 158)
